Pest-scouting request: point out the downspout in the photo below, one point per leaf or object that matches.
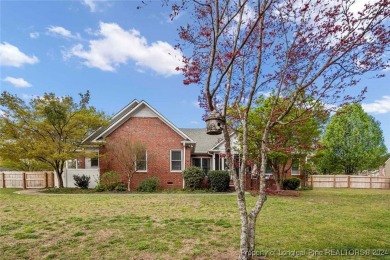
(98, 175)
(184, 167)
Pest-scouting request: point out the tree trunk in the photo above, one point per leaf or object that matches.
(278, 184)
(252, 216)
(251, 235)
(128, 182)
(240, 191)
(244, 249)
(59, 178)
(248, 220)
(278, 179)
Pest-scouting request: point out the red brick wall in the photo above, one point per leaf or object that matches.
(81, 162)
(158, 139)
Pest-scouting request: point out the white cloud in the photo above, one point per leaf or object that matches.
(317, 10)
(34, 35)
(10, 55)
(92, 4)
(381, 106)
(117, 46)
(17, 82)
(61, 31)
(358, 5)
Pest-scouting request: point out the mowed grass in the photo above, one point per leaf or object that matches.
(191, 226)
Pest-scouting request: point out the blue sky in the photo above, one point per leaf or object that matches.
(117, 52)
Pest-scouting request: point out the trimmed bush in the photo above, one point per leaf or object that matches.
(148, 185)
(219, 180)
(193, 177)
(110, 180)
(291, 183)
(81, 181)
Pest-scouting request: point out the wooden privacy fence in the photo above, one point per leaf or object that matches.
(26, 180)
(349, 181)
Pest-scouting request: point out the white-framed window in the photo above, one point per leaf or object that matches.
(295, 167)
(95, 162)
(176, 163)
(202, 162)
(141, 162)
(91, 162)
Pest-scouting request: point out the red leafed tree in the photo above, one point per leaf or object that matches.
(303, 52)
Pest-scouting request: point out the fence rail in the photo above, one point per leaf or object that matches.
(26, 180)
(349, 181)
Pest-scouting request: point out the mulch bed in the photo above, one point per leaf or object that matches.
(292, 193)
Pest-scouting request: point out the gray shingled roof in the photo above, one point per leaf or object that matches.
(204, 142)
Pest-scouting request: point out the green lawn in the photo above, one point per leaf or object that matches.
(189, 226)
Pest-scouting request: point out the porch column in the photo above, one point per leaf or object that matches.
(213, 162)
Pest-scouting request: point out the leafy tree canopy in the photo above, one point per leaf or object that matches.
(49, 129)
(353, 142)
(24, 165)
(298, 133)
(297, 136)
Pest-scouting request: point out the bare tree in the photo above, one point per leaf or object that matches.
(126, 154)
(302, 52)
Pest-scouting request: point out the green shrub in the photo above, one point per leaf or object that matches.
(219, 180)
(110, 180)
(99, 188)
(81, 181)
(148, 185)
(291, 183)
(120, 187)
(193, 177)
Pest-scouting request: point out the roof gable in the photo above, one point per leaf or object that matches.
(134, 109)
(221, 145)
(204, 142)
(113, 120)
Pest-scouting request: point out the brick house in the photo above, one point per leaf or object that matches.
(169, 150)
